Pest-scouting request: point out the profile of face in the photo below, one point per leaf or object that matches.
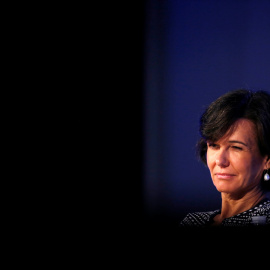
(235, 163)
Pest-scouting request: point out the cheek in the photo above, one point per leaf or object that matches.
(210, 160)
(256, 167)
(246, 165)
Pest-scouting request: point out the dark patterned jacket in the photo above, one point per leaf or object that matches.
(256, 216)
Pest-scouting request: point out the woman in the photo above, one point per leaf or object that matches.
(235, 146)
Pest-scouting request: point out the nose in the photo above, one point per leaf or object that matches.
(222, 159)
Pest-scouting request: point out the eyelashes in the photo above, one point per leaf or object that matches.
(237, 148)
(212, 145)
(216, 147)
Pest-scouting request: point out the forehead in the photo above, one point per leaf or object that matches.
(243, 130)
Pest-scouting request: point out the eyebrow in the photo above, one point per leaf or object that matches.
(238, 142)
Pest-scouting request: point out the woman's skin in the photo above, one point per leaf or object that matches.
(236, 168)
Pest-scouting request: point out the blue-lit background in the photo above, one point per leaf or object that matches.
(194, 51)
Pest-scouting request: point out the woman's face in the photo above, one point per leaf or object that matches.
(235, 163)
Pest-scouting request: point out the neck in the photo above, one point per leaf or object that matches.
(232, 205)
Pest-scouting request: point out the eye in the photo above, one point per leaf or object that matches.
(213, 146)
(237, 148)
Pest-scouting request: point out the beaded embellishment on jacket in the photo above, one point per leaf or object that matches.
(257, 216)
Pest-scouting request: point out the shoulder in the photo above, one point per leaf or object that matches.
(198, 219)
(258, 215)
(262, 208)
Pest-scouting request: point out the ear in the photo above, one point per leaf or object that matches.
(267, 163)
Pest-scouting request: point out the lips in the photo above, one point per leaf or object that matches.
(224, 175)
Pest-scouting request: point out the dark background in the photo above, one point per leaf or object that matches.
(192, 52)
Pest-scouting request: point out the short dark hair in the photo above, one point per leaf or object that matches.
(221, 114)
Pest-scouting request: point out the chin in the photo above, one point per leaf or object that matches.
(226, 187)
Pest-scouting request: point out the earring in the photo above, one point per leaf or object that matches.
(266, 176)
